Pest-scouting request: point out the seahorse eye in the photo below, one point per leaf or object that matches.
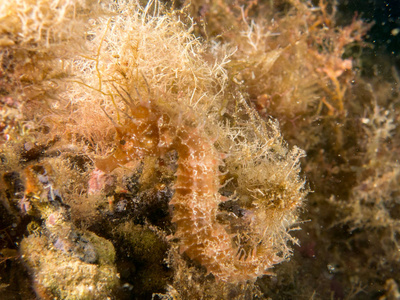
(122, 142)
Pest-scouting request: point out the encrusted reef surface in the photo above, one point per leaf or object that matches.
(152, 150)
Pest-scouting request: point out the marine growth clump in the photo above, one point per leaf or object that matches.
(116, 119)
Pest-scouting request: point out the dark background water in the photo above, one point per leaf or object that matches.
(385, 33)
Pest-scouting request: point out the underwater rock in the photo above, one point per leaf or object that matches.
(57, 274)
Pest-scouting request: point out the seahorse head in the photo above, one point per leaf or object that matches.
(137, 137)
(140, 134)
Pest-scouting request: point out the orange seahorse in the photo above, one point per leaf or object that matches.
(148, 131)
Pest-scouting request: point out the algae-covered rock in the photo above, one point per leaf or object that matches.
(59, 275)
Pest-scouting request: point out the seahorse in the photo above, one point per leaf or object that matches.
(150, 131)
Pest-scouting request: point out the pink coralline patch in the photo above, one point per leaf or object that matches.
(25, 205)
(100, 181)
(53, 219)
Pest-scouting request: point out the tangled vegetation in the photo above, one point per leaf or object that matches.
(152, 151)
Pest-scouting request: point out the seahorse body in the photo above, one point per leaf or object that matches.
(196, 197)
